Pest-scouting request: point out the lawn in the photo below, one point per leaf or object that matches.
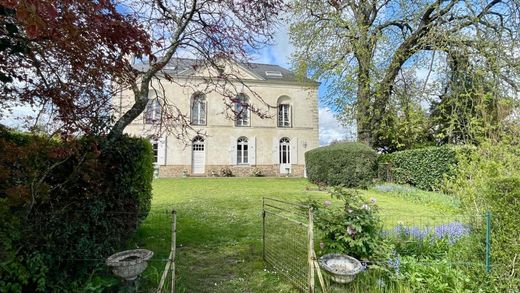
(219, 228)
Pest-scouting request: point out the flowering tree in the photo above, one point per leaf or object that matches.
(63, 55)
(58, 55)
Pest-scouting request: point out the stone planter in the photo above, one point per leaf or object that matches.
(341, 268)
(129, 264)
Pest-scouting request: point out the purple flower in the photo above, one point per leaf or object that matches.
(394, 262)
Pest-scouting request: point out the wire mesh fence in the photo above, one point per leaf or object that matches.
(285, 239)
(151, 231)
(430, 238)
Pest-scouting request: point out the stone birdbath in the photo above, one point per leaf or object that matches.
(341, 267)
(129, 264)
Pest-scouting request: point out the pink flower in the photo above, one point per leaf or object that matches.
(322, 245)
(351, 230)
(327, 203)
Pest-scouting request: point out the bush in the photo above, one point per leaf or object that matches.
(348, 164)
(488, 179)
(226, 172)
(423, 168)
(64, 201)
(354, 229)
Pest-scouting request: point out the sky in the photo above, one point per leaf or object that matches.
(279, 53)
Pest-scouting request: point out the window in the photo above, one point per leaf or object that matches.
(155, 148)
(284, 115)
(242, 151)
(197, 144)
(153, 112)
(198, 109)
(273, 74)
(242, 110)
(285, 151)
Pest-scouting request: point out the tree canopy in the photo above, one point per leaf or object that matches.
(371, 50)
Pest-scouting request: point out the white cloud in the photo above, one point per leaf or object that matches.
(331, 129)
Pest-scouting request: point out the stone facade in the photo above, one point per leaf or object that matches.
(267, 141)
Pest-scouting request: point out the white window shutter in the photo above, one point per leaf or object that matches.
(275, 151)
(294, 151)
(252, 150)
(161, 151)
(232, 150)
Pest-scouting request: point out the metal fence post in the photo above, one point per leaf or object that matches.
(488, 241)
(263, 228)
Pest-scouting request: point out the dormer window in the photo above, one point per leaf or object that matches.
(273, 74)
(242, 114)
(198, 109)
(153, 112)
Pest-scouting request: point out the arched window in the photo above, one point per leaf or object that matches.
(153, 112)
(242, 151)
(198, 109)
(284, 112)
(285, 151)
(197, 144)
(242, 110)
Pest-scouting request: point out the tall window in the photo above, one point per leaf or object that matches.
(242, 111)
(242, 151)
(285, 151)
(284, 115)
(155, 148)
(198, 109)
(153, 112)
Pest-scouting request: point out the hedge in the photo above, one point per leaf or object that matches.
(423, 168)
(349, 164)
(64, 201)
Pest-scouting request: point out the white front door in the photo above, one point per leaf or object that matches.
(198, 157)
(285, 156)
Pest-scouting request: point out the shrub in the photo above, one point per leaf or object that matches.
(256, 172)
(423, 168)
(64, 201)
(345, 164)
(354, 229)
(226, 172)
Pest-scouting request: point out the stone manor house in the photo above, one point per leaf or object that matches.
(247, 143)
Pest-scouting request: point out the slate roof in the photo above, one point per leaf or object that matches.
(184, 66)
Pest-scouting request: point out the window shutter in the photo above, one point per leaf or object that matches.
(161, 151)
(232, 150)
(252, 150)
(275, 151)
(291, 120)
(294, 151)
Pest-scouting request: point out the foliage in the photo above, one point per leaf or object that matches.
(60, 54)
(375, 43)
(226, 172)
(62, 201)
(488, 180)
(347, 164)
(434, 275)
(355, 229)
(423, 168)
(415, 195)
(256, 172)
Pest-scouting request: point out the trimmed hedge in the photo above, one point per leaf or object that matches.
(423, 168)
(66, 201)
(349, 164)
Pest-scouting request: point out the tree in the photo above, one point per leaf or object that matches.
(362, 46)
(59, 54)
(64, 55)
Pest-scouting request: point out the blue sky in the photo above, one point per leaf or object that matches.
(279, 53)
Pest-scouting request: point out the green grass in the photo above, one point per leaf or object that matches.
(219, 229)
